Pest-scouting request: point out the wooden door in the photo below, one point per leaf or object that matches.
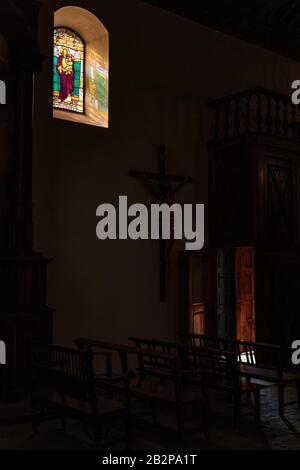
(226, 318)
(245, 294)
(203, 292)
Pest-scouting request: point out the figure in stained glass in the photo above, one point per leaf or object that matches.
(68, 71)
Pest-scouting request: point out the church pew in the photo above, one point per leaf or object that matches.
(222, 373)
(169, 391)
(150, 365)
(258, 361)
(64, 385)
(220, 367)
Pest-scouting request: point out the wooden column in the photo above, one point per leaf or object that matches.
(24, 314)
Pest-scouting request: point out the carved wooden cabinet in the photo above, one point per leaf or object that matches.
(254, 201)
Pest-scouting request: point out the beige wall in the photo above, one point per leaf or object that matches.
(3, 50)
(162, 69)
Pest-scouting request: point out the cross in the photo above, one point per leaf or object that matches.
(163, 187)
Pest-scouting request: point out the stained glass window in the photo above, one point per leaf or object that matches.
(68, 71)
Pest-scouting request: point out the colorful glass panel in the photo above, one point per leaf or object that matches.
(68, 71)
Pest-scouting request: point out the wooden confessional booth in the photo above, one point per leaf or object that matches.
(247, 284)
(24, 314)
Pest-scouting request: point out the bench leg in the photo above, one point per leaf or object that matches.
(281, 399)
(236, 410)
(180, 423)
(206, 422)
(35, 425)
(35, 411)
(153, 412)
(63, 423)
(98, 435)
(128, 430)
(298, 394)
(257, 407)
(248, 380)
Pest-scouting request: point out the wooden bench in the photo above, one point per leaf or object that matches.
(150, 365)
(63, 384)
(222, 373)
(259, 361)
(220, 367)
(169, 391)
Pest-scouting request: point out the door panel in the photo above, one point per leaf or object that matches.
(226, 320)
(245, 302)
(203, 292)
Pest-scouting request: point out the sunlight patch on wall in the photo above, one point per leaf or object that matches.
(97, 88)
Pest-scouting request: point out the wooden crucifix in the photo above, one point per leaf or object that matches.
(164, 188)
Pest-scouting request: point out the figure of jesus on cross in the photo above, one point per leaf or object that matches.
(164, 188)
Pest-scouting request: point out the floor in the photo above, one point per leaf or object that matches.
(274, 434)
(281, 433)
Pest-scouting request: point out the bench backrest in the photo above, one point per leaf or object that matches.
(260, 355)
(218, 366)
(66, 371)
(157, 346)
(141, 356)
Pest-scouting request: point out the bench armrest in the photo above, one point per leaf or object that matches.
(107, 354)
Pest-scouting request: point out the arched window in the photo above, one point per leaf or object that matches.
(80, 67)
(68, 71)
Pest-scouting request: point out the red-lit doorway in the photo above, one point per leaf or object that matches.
(222, 293)
(245, 294)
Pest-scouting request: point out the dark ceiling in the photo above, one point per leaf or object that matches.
(272, 24)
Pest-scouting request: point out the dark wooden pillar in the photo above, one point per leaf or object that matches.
(24, 314)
